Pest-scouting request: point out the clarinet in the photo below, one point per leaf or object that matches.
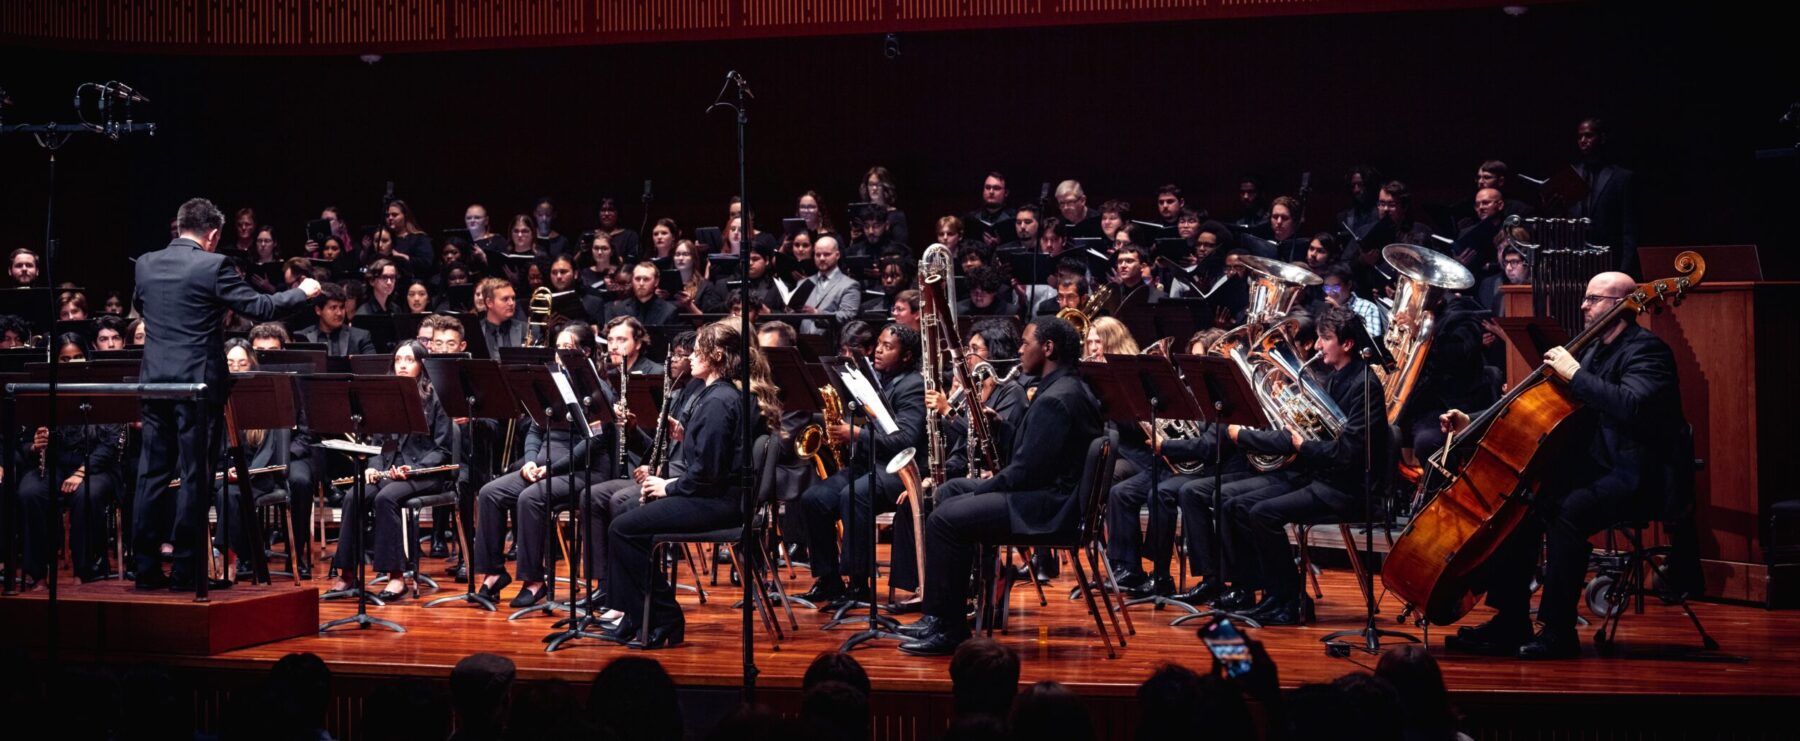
(619, 410)
(659, 444)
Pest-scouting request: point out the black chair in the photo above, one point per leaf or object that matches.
(1384, 488)
(752, 567)
(1091, 488)
(1781, 550)
(1627, 571)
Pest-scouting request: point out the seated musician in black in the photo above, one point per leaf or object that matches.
(1125, 549)
(1033, 495)
(1638, 465)
(706, 496)
(995, 342)
(1452, 377)
(334, 330)
(1325, 479)
(86, 472)
(988, 294)
(300, 480)
(262, 449)
(392, 482)
(866, 451)
(604, 501)
(540, 482)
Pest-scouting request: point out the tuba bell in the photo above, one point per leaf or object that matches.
(1424, 277)
(1274, 288)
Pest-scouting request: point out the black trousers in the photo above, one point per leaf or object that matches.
(1258, 516)
(628, 551)
(40, 507)
(496, 499)
(953, 535)
(603, 503)
(390, 540)
(299, 499)
(179, 437)
(1560, 525)
(1196, 502)
(1124, 547)
(827, 503)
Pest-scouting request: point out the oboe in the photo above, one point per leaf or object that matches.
(619, 410)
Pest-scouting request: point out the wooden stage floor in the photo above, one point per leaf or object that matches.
(1058, 642)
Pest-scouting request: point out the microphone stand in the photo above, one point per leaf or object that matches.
(51, 137)
(1335, 643)
(747, 414)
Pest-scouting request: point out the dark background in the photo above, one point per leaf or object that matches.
(1692, 94)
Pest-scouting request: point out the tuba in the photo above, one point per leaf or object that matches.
(537, 318)
(1424, 277)
(1274, 287)
(1287, 396)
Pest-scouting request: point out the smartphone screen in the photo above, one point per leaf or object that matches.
(1228, 647)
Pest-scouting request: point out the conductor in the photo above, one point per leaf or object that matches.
(182, 293)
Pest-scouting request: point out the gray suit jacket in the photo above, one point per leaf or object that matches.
(840, 296)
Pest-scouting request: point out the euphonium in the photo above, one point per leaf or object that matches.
(537, 318)
(1290, 399)
(1424, 276)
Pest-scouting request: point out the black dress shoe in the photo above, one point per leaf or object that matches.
(1496, 637)
(859, 593)
(1269, 602)
(1134, 583)
(661, 636)
(305, 571)
(1296, 610)
(1552, 643)
(1201, 593)
(528, 597)
(920, 628)
(1235, 599)
(492, 593)
(938, 643)
(823, 591)
(392, 597)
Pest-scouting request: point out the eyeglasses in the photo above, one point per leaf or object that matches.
(1590, 299)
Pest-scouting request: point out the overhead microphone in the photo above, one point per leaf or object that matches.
(648, 194)
(741, 83)
(122, 90)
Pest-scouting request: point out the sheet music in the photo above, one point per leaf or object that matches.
(563, 388)
(783, 290)
(869, 398)
(345, 446)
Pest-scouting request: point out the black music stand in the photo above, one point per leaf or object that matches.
(578, 386)
(538, 395)
(342, 404)
(1224, 397)
(1156, 388)
(879, 626)
(268, 404)
(799, 392)
(472, 388)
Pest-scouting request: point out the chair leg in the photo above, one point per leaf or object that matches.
(688, 555)
(982, 596)
(1030, 555)
(1365, 580)
(1306, 566)
(1094, 608)
(1094, 560)
(293, 546)
(649, 589)
(1103, 565)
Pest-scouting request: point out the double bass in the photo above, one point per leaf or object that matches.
(1495, 467)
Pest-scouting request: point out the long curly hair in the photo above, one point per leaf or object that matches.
(721, 341)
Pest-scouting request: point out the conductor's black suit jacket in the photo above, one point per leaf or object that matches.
(182, 292)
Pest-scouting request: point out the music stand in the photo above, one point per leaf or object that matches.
(580, 430)
(878, 626)
(468, 387)
(268, 404)
(1224, 398)
(537, 394)
(342, 404)
(1155, 383)
(371, 365)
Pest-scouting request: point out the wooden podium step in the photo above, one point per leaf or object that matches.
(112, 617)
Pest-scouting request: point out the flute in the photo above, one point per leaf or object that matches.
(381, 476)
(173, 483)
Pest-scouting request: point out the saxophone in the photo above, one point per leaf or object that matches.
(812, 437)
